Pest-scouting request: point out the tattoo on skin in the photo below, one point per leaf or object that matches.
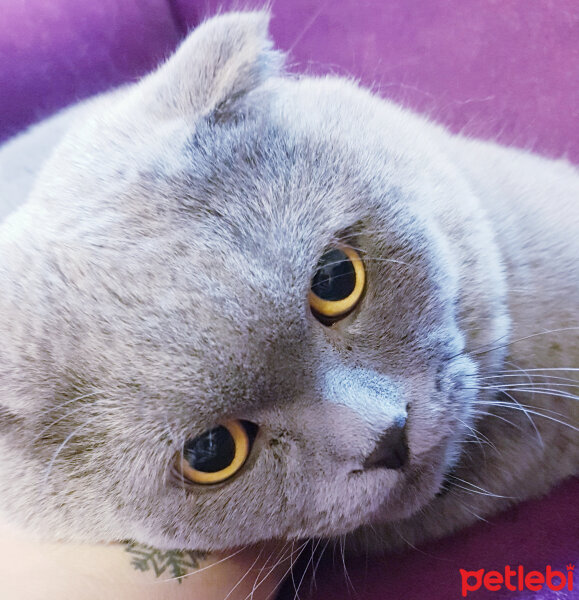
(177, 562)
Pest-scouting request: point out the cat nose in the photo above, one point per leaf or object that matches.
(391, 451)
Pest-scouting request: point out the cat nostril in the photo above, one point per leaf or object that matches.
(391, 451)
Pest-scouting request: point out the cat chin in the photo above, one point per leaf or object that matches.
(415, 487)
(420, 485)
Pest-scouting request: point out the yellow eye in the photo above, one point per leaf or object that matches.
(217, 454)
(338, 283)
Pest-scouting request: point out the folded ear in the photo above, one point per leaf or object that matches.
(222, 60)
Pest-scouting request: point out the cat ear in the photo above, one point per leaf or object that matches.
(221, 61)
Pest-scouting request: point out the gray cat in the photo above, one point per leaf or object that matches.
(239, 305)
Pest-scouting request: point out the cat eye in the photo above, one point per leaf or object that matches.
(337, 285)
(217, 454)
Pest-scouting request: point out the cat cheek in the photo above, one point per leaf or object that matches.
(442, 410)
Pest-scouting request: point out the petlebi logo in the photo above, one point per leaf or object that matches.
(516, 579)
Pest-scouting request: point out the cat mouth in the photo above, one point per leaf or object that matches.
(418, 484)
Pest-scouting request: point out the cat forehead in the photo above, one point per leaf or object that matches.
(297, 162)
(219, 132)
(263, 169)
(260, 175)
(319, 147)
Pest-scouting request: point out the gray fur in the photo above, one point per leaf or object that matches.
(154, 282)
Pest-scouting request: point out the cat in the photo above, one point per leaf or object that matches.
(240, 305)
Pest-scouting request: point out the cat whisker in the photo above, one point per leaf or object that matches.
(498, 402)
(545, 392)
(530, 411)
(285, 557)
(471, 441)
(179, 480)
(280, 557)
(406, 541)
(539, 386)
(317, 564)
(62, 446)
(485, 413)
(71, 400)
(205, 568)
(469, 510)
(181, 446)
(548, 378)
(572, 369)
(171, 434)
(289, 570)
(527, 377)
(305, 569)
(539, 391)
(315, 16)
(247, 572)
(64, 416)
(314, 548)
(343, 556)
(477, 489)
(387, 260)
(519, 370)
(527, 337)
(294, 557)
(475, 434)
(493, 345)
(366, 259)
(524, 409)
(53, 423)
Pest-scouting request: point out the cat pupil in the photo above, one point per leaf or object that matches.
(335, 278)
(212, 451)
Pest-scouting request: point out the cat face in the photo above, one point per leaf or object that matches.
(159, 286)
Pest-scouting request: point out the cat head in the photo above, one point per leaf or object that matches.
(157, 303)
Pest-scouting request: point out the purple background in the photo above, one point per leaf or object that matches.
(506, 69)
(502, 69)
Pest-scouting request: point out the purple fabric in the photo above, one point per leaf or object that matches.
(534, 534)
(54, 52)
(502, 69)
